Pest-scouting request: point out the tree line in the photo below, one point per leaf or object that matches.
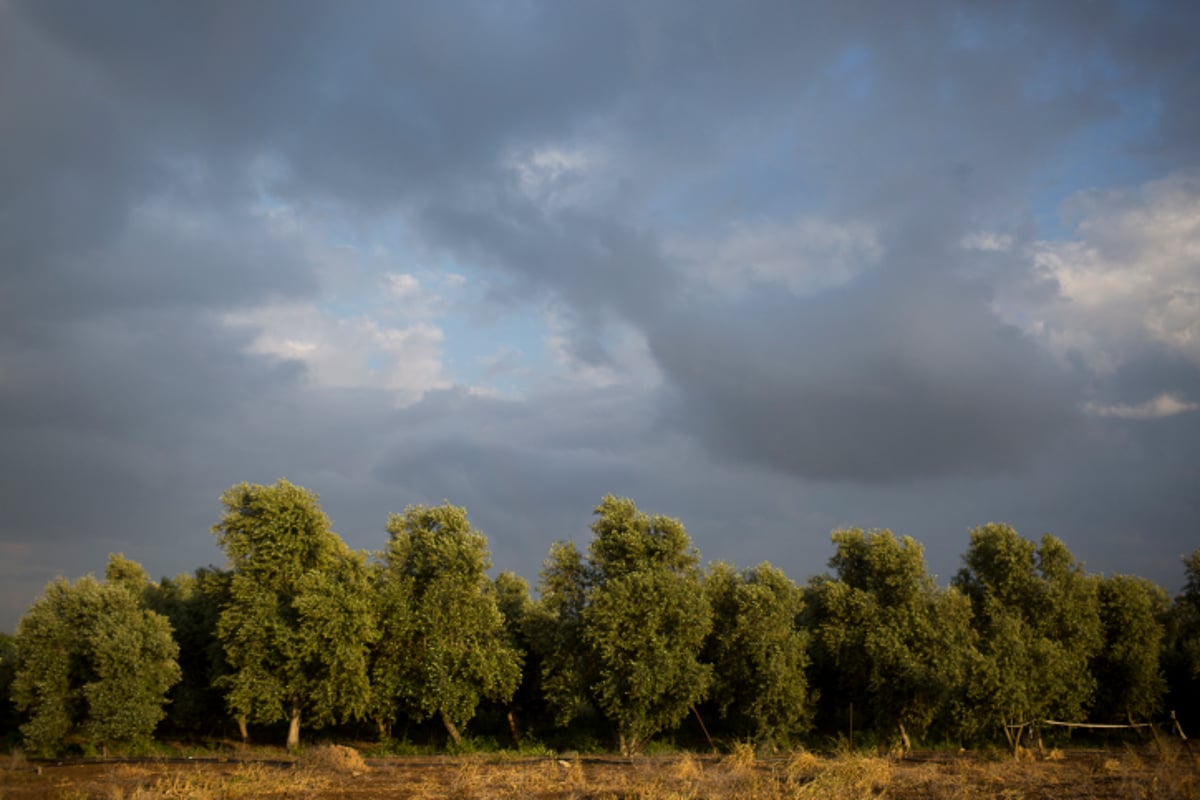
(627, 640)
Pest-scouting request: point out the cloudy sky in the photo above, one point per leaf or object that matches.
(771, 268)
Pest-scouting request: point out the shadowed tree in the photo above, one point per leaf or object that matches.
(192, 604)
(886, 638)
(758, 654)
(1128, 672)
(1181, 648)
(512, 598)
(93, 661)
(299, 619)
(444, 646)
(554, 628)
(8, 669)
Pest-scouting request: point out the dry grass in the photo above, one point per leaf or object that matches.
(334, 758)
(340, 773)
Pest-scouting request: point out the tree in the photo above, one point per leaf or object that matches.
(887, 639)
(1129, 679)
(1181, 650)
(92, 661)
(757, 652)
(554, 628)
(192, 604)
(1038, 618)
(512, 598)
(444, 646)
(299, 620)
(632, 623)
(8, 672)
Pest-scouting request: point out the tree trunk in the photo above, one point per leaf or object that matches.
(241, 723)
(904, 742)
(512, 728)
(293, 740)
(450, 729)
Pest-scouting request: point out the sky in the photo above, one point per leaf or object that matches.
(772, 268)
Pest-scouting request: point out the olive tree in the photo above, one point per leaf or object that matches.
(299, 620)
(1181, 647)
(1037, 614)
(192, 603)
(1128, 673)
(92, 661)
(554, 629)
(758, 653)
(633, 620)
(8, 670)
(512, 598)
(443, 645)
(886, 637)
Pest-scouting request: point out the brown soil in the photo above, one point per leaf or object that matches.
(341, 773)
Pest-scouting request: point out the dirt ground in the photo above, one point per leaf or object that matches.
(342, 773)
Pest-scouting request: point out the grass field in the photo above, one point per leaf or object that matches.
(336, 772)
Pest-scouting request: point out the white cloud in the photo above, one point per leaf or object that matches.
(402, 286)
(987, 241)
(806, 255)
(556, 176)
(1131, 275)
(629, 360)
(353, 351)
(1164, 405)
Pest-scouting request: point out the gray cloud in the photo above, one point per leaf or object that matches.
(168, 165)
(878, 381)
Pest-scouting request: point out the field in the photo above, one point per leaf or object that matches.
(336, 772)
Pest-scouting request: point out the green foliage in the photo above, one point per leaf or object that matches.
(93, 662)
(8, 672)
(758, 654)
(444, 645)
(127, 574)
(1128, 674)
(1038, 618)
(645, 629)
(299, 619)
(554, 629)
(192, 604)
(512, 598)
(1189, 613)
(887, 639)
(626, 627)
(1181, 646)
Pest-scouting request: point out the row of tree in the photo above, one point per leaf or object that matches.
(631, 636)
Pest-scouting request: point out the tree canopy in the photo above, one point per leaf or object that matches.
(299, 620)
(93, 662)
(444, 645)
(625, 638)
(1037, 614)
(887, 638)
(758, 652)
(631, 622)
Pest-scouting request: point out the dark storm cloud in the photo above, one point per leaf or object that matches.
(875, 382)
(146, 147)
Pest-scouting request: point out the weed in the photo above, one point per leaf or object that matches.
(741, 756)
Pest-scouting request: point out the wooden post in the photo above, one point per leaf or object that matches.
(1182, 735)
(852, 727)
(703, 728)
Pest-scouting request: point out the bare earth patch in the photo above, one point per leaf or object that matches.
(339, 772)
